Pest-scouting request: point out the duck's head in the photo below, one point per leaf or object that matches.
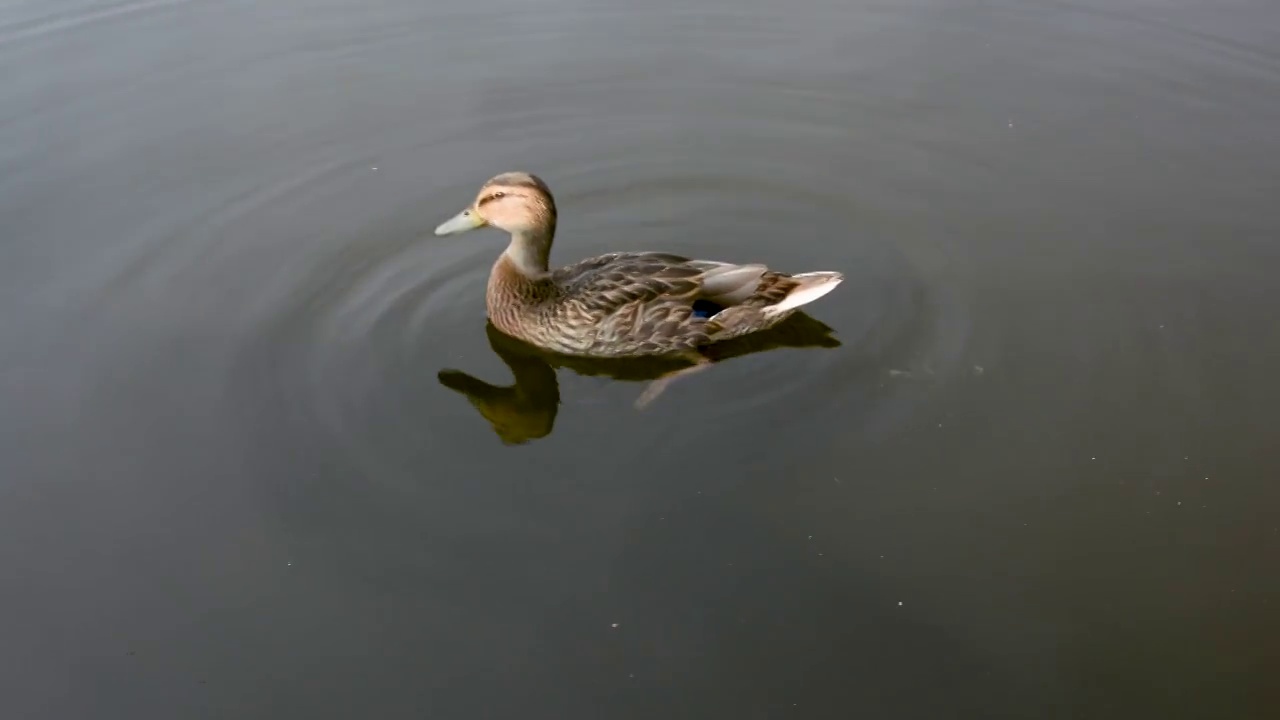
(517, 202)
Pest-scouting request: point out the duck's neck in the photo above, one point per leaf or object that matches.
(529, 252)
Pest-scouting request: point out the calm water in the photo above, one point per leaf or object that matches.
(1035, 474)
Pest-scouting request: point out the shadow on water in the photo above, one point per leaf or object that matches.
(526, 410)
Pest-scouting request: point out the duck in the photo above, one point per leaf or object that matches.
(621, 304)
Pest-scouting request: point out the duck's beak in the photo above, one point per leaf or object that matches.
(466, 220)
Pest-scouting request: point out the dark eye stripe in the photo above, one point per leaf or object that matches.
(493, 196)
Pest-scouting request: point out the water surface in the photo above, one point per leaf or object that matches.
(1034, 475)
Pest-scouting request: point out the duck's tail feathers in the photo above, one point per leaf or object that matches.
(809, 287)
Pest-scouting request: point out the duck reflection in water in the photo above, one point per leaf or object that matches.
(526, 410)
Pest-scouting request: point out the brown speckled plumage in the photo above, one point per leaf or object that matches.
(622, 304)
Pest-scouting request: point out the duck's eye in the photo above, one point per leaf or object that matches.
(499, 195)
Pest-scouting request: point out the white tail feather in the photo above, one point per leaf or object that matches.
(813, 285)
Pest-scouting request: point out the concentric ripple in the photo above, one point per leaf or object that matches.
(351, 339)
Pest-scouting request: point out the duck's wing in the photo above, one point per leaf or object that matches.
(654, 300)
(621, 278)
(617, 279)
(633, 302)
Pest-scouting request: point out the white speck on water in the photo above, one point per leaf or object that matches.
(375, 168)
(1179, 503)
(978, 370)
(810, 537)
(289, 564)
(1093, 458)
(614, 625)
(899, 603)
(1010, 124)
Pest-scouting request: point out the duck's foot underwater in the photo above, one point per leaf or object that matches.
(657, 386)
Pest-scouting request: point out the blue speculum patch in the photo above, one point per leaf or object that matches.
(705, 308)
